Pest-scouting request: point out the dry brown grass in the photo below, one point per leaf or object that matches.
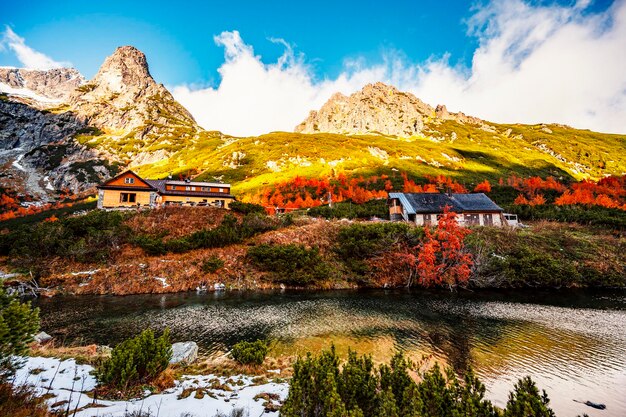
(177, 221)
(134, 272)
(82, 354)
(224, 366)
(21, 402)
(165, 380)
(318, 233)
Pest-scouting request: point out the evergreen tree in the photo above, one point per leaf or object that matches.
(436, 397)
(470, 396)
(396, 378)
(386, 404)
(358, 383)
(136, 361)
(525, 401)
(18, 323)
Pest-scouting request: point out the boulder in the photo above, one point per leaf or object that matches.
(184, 352)
(42, 337)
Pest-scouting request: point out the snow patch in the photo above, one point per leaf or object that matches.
(91, 272)
(69, 381)
(378, 153)
(17, 164)
(163, 281)
(25, 92)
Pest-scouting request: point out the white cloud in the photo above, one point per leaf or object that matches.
(254, 97)
(29, 58)
(533, 64)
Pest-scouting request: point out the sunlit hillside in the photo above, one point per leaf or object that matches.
(465, 152)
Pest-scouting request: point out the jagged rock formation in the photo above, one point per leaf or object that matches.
(123, 95)
(377, 108)
(121, 117)
(45, 87)
(44, 153)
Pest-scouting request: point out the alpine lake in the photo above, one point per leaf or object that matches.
(572, 343)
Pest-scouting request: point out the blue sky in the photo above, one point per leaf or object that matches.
(178, 37)
(404, 42)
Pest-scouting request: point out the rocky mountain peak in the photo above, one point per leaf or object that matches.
(124, 96)
(127, 67)
(377, 108)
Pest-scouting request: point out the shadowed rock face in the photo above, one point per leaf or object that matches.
(54, 84)
(377, 108)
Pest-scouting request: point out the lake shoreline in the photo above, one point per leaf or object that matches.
(569, 341)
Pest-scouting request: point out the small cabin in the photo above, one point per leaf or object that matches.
(130, 190)
(425, 209)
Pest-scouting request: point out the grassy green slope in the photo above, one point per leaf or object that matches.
(465, 152)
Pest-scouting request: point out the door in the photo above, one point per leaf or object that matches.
(427, 220)
(488, 219)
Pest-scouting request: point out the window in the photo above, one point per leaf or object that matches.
(129, 180)
(187, 188)
(205, 188)
(173, 187)
(128, 197)
(221, 190)
(193, 188)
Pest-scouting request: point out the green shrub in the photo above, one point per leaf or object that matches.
(525, 401)
(93, 237)
(291, 264)
(212, 264)
(249, 353)
(18, 323)
(320, 387)
(229, 232)
(152, 245)
(135, 362)
(359, 242)
(246, 208)
(588, 215)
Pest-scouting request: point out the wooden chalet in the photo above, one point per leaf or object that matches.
(426, 208)
(130, 190)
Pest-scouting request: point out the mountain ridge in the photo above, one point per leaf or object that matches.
(377, 108)
(122, 118)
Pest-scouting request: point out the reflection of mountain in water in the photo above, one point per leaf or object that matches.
(570, 350)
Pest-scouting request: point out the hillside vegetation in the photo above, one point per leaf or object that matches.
(464, 152)
(163, 251)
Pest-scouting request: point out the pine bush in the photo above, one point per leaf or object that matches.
(525, 400)
(18, 323)
(320, 387)
(136, 361)
(249, 353)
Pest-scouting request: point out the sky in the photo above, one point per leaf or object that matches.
(251, 67)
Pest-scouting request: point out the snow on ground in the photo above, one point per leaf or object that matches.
(204, 395)
(17, 164)
(163, 281)
(25, 92)
(90, 272)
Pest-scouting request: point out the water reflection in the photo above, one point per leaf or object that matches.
(573, 344)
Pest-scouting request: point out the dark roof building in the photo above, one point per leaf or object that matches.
(424, 208)
(130, 190)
